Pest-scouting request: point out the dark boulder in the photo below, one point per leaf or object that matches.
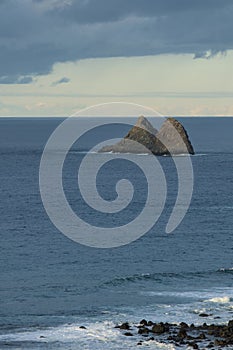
(159, 328)
(230, 324)
(128, 334)
(182, 334)
(143, 330)
(82, 327)
(124, 326)
(143, 322)
(204, 315)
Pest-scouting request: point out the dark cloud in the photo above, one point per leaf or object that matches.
(35, 34)
(92, 11)
(63, 80)
(16, 80)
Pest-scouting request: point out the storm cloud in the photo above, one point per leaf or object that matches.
(63, 80)
(36, 34)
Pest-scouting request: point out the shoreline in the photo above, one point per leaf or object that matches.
(182, 335)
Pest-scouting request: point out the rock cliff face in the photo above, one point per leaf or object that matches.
(174, 136)
(171, 139)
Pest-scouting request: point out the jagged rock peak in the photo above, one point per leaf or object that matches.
(172, 138)
(175, 137)
(144, 123)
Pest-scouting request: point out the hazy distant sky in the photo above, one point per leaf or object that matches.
(57, 56)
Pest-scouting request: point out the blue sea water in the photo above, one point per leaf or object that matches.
(50, 285)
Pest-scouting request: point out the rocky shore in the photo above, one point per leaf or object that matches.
(184, 336)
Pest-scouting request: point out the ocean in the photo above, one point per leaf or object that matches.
(51, 285)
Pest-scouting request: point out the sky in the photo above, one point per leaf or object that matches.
(58, 56)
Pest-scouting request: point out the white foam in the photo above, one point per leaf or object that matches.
(220, 300)
(199, 154)
(98, 335)
(231, 268)
(99, 330)
(217, 295)
(216, 302)
(185, 294)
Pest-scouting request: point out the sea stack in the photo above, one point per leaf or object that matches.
(172, 138)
